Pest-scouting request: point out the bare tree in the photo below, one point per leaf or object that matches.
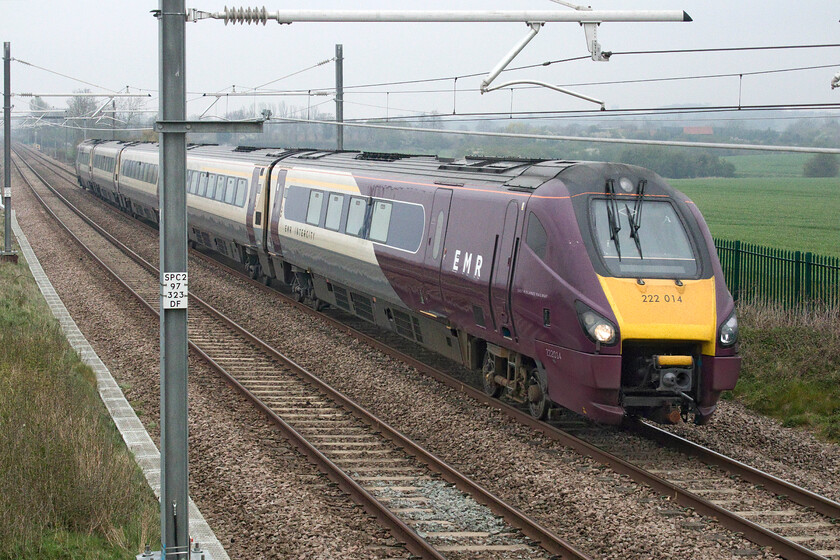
(37, 105)
(81, 106)
(128, 111)
(78, 111)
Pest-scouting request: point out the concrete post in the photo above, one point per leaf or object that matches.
(174, 505)
(339, 96)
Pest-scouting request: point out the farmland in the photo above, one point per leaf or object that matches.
(787, 212)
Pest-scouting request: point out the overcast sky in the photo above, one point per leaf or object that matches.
(114, 44)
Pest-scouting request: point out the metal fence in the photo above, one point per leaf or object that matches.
(789, 278)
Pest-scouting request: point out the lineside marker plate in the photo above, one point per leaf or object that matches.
(174, 290)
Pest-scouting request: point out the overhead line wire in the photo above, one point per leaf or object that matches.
(296, 73)
(62, 75)
(638, 111)
(615, 53)
(636, 81)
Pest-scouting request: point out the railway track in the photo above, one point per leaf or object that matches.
(795, 522)
(426, 504)
(770, 512)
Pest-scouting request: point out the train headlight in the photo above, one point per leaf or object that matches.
(729, 331)
(597, 327)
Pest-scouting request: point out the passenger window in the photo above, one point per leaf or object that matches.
(356, 217)
(211, 185)
(241, 192)
(202, 185)
(334, 208)
(316, 201)
(536, 238)
(220, 187)
(380, 221)
(230, 192)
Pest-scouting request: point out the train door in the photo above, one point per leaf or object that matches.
(120, 198)
(501, 275)
(433, 259)
(254, 215)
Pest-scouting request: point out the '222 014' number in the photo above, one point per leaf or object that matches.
(655, 298)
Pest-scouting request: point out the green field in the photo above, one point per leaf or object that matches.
(791, 213)
(769, 165)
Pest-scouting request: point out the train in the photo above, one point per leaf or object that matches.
(591, 286)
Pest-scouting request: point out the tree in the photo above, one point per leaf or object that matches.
(81, 106)
(821, 165)
(129, 111)
(78, 109)
(36, 105)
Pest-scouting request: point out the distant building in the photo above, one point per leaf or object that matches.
(698, 130)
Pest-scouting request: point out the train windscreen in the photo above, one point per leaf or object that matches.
(653, 244)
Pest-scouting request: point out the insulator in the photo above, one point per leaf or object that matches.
(246, 15)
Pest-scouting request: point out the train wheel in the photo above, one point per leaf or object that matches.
(538, 402)
(488, 375)
(297, 290)
(254, 271)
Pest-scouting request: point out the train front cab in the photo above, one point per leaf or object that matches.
(650, 333)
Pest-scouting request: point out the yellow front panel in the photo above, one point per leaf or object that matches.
(661, 310)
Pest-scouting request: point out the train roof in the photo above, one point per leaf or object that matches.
(512, 173)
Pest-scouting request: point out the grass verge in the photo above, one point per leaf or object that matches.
(791, 366)
(69, 488)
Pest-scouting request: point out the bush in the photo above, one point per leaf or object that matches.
(821, 165)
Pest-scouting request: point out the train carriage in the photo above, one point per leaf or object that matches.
(222, 195)
(84, 153)
(104, 166)
(595, 286)
(138, 180)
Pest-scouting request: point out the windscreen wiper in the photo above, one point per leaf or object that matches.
(635, 218)
(612, 215)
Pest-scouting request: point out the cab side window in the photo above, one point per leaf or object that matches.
(536, 238)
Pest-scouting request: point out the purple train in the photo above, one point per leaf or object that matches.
(593, 286)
